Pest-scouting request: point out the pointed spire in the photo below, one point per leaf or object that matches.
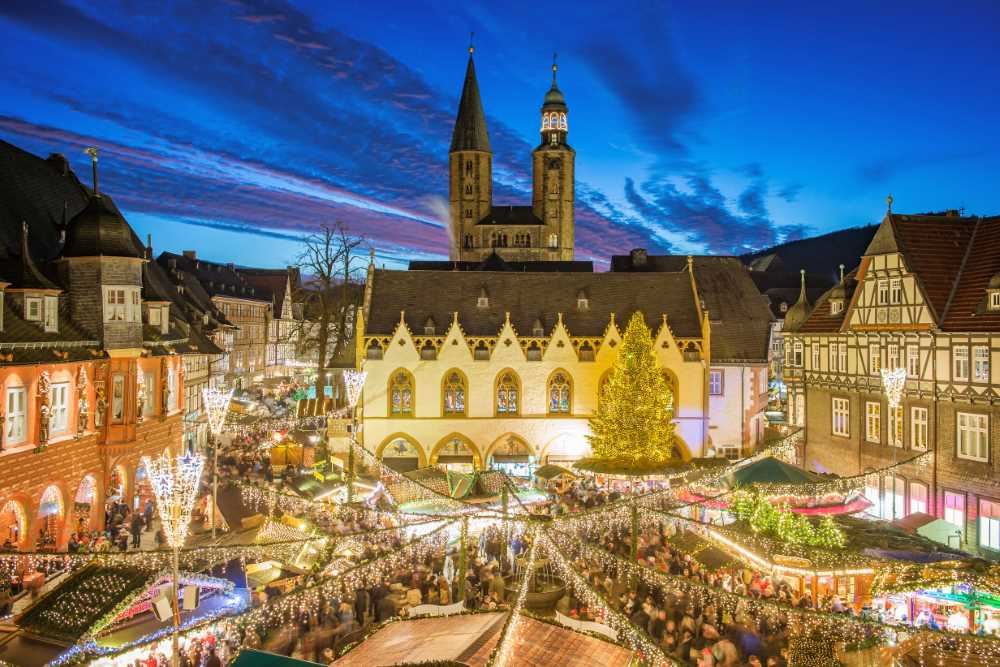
(802, 288)
(888, 203)
(470, 124)
(555, 68)
(841, 273)
(798, 313)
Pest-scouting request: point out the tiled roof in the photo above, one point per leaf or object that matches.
(271, 283)
(216, 279)
(739, 315)
(953, 258)
(99, 229)
(821, 320)
(527, 297)
(496, 263)
(16, 330)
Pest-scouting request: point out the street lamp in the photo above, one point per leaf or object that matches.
(175, 486)
(354, 381)
(216, 406)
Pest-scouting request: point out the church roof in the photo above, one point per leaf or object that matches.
(470, 125)
(529, 297)
(511, 215)
(490, 263)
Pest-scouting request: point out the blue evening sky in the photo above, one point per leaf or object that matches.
(236, 127)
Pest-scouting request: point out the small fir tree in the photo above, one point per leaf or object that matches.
(632, 425)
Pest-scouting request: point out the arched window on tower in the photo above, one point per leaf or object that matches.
(468, 188)
(553, 241)
(559, 394)
(562, 122)
(468, 167)
(401, 394)
(545, 122)
(508, 394)
(468, 240)
(454, 394)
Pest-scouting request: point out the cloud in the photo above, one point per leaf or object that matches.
(790, 192)
(880, 171)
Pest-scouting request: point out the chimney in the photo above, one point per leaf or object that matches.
(59, 163)
(191, 254)
(639, 257)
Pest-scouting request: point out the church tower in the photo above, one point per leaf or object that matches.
(470, 168)
(553, 174)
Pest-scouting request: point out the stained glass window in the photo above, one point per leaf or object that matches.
(401, 395)
(507, 390)
(454, 394)
(559, 394)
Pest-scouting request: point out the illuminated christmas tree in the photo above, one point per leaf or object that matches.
(632, 426)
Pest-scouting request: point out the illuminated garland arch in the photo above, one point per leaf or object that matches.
(477, 459)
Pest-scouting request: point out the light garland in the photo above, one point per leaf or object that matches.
(175, 485)
(354, 381)
(893, 383)
(504, 647)
(217, 407)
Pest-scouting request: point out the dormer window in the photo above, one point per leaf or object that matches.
(484, 299)
(537, 330)
(582, 302)
(836, 306)
(994, 299)
(33, 309)
(154, 316)
(783, 307)
(51, 321)
(429, 327)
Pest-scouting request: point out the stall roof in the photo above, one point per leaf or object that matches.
(253, 658)
(551, 471)
(770, 470)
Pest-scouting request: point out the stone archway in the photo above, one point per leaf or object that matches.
(50, 521)
(13, 524)
(86, 513)
(458, 452)
(565, 448)
(512, 454)
(401, 452)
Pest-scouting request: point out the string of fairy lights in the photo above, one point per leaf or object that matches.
(501, 654)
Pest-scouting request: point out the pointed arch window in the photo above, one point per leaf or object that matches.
(671, 398)
(401, 394)
(560, 394)
(453, 395)
(508, 394)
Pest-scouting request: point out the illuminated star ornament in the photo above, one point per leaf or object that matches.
(175, 485)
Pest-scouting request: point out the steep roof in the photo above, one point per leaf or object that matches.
(739, 315)
(216, 279)
(529, 297)
(100, 230)
(496, 263)
(470, 124)
(819, 255)
(953, 258)
(821, 320)
(271, 283)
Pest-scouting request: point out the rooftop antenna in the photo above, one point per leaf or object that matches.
(92, 152)
(555, 67)
(472, 45)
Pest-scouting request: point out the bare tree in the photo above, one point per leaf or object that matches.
(330, 291)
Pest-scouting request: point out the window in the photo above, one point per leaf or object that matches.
(797, 356)
(58, 407)
(401, 394)
(815, 357)
(895, 430)
(960, 363)
(892, 355)
(874, 496)
(800, 409)
(715, 382)
(841, 417)
(842, 357)
(954, 510)
(836, 305)
(52, 313)
(33, 309)
(989, 524)
(973, 438)
(553, 241)
(918, 497)
(883, 292)
(995, 300)
(895, 491)
(833, 358)
(559, 394)
(154, 316)
(896, 290)
(874, 358)
(454, 394)
(171, 389)
(122, 304)
(918, 428)
(913, 361)
(873, 421)
(507, 394)
(16, 415)
(981, 363)
(118, 399)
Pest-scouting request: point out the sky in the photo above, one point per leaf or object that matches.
(236, 128)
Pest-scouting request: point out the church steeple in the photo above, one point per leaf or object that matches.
(470, 168)
(470, 125)
(555, 125)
